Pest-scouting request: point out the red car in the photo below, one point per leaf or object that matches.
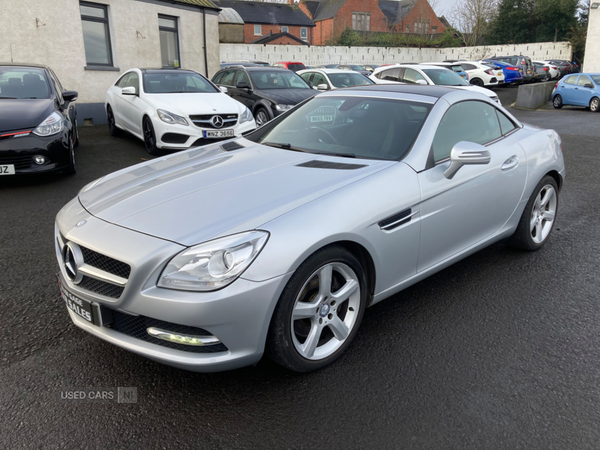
(294, 66)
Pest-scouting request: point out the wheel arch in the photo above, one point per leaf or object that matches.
(263, 104)
(557, 177)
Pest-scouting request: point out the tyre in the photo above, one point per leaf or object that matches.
(594, 104)
(76, 133)
(149, 137)
(477, 82)
(557, 102)
(71, 169)
(261, 116)
(112, 127)
(319, 311)
(538, 217)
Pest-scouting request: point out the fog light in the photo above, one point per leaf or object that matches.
(39, 159)
(183, 339)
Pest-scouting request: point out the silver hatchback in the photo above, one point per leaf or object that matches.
(277, 242)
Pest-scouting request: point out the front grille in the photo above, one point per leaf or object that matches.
(135, 326)
(20, 162)
(204, 120)
(105, 263)
(101, 287)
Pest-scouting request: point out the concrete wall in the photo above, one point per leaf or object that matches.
(315, 55)
(591, 62)
(532, 96)
(33, 32)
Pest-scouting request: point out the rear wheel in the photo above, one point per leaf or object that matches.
(477, 82)
(557, 102)
(319, 311)
(149, 137)
(538, 218)
(595, 104)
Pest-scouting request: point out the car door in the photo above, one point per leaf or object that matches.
(245, 96)
(133, 105)
(469, 208)
(567, 90)
(583, 94)
(119, 103)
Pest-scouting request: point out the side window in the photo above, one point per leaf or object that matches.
(57, 86)
(306, 76)
(319, 79)
(411, 76)
(227, 78)
(571, 79)
(391, 75)
(123, 80)
(470, 121)
(468, 66)
(583, 80)
(134, 80)
(217, 78)
(506, 125)
(242, 76)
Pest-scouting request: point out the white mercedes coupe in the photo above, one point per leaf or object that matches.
(174, 109)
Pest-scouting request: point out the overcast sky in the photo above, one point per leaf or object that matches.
(444, 7)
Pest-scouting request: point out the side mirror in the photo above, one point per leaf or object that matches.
(322, 87)
(588, 85)
(223, 89)
(421, 82)
(70, 96)
(466, 153)
(129, 90)
(243, 85)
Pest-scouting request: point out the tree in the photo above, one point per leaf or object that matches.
(473, 18)
(555, 19)
(515, 23)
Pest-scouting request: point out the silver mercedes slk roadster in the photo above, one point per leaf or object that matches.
(276, 242)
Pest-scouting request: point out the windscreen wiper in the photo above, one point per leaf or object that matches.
(11, 98)
(285, 146)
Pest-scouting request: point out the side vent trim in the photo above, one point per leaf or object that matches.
(397, 220)
(317, 164)
(230, 146)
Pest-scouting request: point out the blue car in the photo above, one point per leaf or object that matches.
(578, 90)
(512, 74)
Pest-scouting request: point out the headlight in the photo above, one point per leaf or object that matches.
(52, 125)
(283, 107)
(169, 117)
(214, 264)
(246, 116)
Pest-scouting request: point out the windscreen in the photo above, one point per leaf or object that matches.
(445, 77)
(342, 80)
(277, 79)
(360, 127)
(356, 67)
(173, 82)
(22, 83)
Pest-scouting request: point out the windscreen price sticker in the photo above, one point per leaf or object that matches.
(324, 115)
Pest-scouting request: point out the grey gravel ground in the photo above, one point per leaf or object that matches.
(498, 351)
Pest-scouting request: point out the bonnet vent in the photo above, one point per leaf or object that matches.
(230, 146)
(316, 164)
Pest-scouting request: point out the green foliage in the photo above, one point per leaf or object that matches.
(351, 38)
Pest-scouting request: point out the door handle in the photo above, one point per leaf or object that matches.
(510, 163)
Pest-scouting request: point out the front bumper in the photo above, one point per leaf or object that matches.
(178, 137)
(20, 151)
(238, 315)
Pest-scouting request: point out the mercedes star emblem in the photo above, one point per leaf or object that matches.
(217, 121)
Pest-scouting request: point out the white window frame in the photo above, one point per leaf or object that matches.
(285, 29)
(259, 28)
(361, 21)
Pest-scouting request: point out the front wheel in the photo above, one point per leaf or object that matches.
(319, 311)
(261, 116)
(594, 104)
(71, 168)
(538, 218)
(557, 102)
(149, 137)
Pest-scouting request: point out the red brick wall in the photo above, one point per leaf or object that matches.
(421, 12)
(266, 29)
(343, 18)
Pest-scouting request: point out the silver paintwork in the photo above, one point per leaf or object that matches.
(146, 214)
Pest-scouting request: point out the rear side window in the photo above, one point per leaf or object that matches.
(506, 125)
(470, 121)
(570, 80)
(469, 66)
(391, 74)
(242, 76)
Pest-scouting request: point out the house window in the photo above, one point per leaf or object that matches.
(422, 27)
(169, 41)
(257, 30)
(304, 33)
(434, 30)
(361, 21)
(407, 29)
(96, 35)
(284, 29)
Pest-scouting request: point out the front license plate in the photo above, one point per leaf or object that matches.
(218, 134)
(7, 169)
(81, 307)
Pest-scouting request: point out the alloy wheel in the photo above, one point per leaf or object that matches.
(149, 139)
(261, 117)
(595, 104)
(543, 214)
(325, 311)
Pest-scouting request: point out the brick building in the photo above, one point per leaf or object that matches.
(332, 17)
(262, 21)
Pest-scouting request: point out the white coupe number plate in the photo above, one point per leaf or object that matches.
(218, 134)
(7, 169)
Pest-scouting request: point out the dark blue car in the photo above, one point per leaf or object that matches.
(578, 90)
(512, 74)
